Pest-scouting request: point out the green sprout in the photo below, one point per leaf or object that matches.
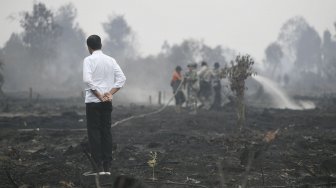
(152, 163)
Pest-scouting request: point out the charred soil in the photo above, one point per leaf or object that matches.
(40, 145)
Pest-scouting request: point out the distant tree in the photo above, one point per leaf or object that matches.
(309, 51)
(40, 31)
(18, 69)
(13, 46)
(165, 47)
(191, 51)
(212, 55)
(71, 50)
(301, 44)
(290, 33)
(239, 71)
(274, 55)
(48, 53)
(329, 56)
(120, 38)
(327, 40)
(72, 35)
(186, 52)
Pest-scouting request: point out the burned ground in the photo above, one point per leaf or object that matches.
(40, 145)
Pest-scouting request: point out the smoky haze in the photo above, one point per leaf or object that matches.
(47, 56)
(300, 60)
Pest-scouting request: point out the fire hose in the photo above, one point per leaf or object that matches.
(150, 113)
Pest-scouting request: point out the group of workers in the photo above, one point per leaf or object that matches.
(203, 85)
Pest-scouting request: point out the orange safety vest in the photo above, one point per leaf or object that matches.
(176, 76)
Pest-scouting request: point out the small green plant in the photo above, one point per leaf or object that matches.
(152, 163)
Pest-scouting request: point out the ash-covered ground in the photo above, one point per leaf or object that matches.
(40, 146)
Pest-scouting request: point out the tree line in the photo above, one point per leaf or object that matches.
(48, 53)
(301, 58)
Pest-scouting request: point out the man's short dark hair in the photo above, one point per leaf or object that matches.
(94, 42)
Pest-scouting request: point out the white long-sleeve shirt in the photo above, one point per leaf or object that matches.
(101, 73)
(205, 73)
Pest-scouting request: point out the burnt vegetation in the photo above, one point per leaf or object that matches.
(42, 136)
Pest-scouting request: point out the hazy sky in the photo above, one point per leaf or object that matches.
(245, 25)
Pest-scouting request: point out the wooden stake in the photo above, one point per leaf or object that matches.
(160, 95)
(30, 93)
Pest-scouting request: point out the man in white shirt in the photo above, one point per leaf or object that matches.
(103, 78)
(205, 76)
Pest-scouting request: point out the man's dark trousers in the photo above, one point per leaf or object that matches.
(98, 117)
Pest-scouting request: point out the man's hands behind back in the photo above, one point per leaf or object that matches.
(106, 97)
